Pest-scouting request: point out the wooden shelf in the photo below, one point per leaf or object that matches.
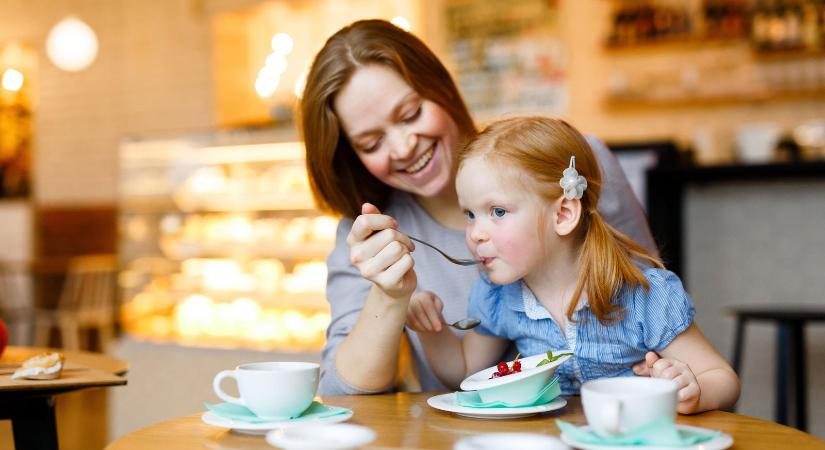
(283, 252)
(788, 54)
(304, 301)
(675, 43)
(219, 202)
(712, 100)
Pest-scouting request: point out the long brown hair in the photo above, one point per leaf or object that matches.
(540, 148)
(340, 183)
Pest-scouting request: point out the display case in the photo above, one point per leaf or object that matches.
(221, 244)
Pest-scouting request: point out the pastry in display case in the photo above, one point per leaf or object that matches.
(221, 244)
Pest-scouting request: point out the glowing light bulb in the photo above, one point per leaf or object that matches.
(282, 44)
(12, 80)
(401, 22)
(72, 45)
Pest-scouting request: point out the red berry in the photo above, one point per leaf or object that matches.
(502, 367)
(516, 366)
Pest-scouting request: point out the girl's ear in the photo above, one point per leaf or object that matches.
(568, 213)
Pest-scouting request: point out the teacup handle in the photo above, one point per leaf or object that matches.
(611, 416)
(216, 386)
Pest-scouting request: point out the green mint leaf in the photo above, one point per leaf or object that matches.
(543, 362)
(555, 357)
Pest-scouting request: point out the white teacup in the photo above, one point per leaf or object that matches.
(272, 390)
(620, 405)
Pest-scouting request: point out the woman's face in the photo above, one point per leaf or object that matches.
(404, 140)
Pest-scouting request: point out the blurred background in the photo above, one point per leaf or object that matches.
(153, 194)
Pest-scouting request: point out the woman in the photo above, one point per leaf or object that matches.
(383, 122)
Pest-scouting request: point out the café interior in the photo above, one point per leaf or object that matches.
(149, 147)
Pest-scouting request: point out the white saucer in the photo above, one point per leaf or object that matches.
(261, 428)
(521, 441)
(721, 442)
(342, 436)
(446, 402)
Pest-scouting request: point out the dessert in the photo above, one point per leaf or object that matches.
(44, 366)
(503, 369)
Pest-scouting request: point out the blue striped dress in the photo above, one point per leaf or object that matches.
(650, 320)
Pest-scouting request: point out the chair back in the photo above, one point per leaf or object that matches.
(91, 284)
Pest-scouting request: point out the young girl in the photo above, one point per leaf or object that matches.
(557, 276)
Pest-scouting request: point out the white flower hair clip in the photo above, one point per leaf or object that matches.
(572, 183)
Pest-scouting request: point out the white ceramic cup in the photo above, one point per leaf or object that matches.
(619, 405)
(272, 390)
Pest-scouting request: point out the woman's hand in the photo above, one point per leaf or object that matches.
(424, 312)
(382, 253)
(673, 369)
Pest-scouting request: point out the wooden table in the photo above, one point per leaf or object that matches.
(30, 403)
(405, 420)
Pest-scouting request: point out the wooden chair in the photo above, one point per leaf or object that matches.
(15, 306)
(87, 301)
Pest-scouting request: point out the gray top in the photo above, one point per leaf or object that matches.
(347, 290)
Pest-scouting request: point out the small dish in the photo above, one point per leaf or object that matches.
(521, 441)
(515, 388)
(262, 428)
(342, 436)
(720, 442)
(446, 402)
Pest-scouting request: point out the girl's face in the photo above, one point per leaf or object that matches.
(502, 220)
(404, 140)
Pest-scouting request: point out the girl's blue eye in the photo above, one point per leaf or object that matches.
(499, 212)
(470, 215)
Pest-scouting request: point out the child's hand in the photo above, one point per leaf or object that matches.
(424, 312)
(673, 369)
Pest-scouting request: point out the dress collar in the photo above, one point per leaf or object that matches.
(531, 306)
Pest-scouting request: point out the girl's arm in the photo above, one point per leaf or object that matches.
(718, 384)
(451, 358)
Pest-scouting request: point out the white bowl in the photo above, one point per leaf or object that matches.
(516, 388)
(339, 436)
(521, 441)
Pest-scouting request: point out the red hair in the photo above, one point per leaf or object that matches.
(541, 147)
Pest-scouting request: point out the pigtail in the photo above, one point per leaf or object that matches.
(608, 262)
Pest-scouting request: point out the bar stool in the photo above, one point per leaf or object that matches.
(791, 380)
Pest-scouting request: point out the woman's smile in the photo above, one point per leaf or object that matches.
(421, 163)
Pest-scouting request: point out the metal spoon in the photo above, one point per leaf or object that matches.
(468, 323)
(460, 262)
